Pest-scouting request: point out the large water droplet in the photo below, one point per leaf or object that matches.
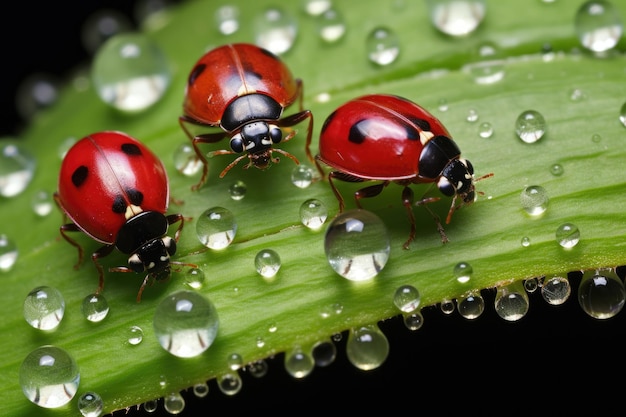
(42, 203)
(49, 377)
(511, 301)
(601, 293)
(186, 161)
(316, 7)
(185, 323)
(174, 403)
(407, 298)
(331, 26)
(17, 167)
(95, 307)
(313, 213)
(229, 383)
(556, 289)
(413, 321)
(298, 363)
(367, 347)
(267, 263)
(530, 126)
(130, 72)
(90, 404)
(567, 235)
(357, 245)
(276, 30)
(382, 45)
(302, 176)
(8, 253)
(598, 25)
(471, 306)
(216, 228)
(456, 17)
(324, 353)
(44, 308)
(534, 200)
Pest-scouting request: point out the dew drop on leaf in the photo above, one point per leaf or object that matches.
(298, 362)
(44, 308)
(382, 45)
(90, 404)
(511, 301)
(598, 25)
(456, 17)
(367, 347)
(471, 306)
(216, 228)
(556, 289)
(601, 294)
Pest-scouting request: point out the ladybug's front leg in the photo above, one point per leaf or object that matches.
(202, 138)
(101, 253)
(407, 201)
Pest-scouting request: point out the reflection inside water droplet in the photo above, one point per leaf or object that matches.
(229, 383)
(601, 294)
(216, 228)
(367, 347)
(534, 200)
(406, 298)
(471, 306)
(95, 307)
(17, 167)
(275, 30)
(556, 289)
(511, 301)
(44, 308)
(90, 404)
(456, 17)
(530, 126)
(598, 25)
(298, 362)
(383, 46)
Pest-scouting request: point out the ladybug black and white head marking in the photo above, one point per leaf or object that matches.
(458, 179)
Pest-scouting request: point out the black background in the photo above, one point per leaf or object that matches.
(556, 360)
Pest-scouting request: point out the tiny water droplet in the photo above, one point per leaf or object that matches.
(443, 105)
(367, 347)
(463, 272)
(134, 335)
(194, 278)
(534, 200)
(302, 176)
(567, 235)
(511, 302)
(201, 390)
(576, 94)
(235, 361)
(49, 377)
(298, 363)
(357, 244)
(130, 72)
(530, 126)
(383, 46)
(216, 228)
(407, 298)
(17, 167)
(525, 241)
(151, 406)
(485, 130)
(90, 404)
(186, 161)
(238, 190)
(601, 294)
(95, 307)
(174, 403)
(185, 323)
(260, 342)
(42, 203)
(556, 289)
(598, 25)
(316, 7)
(557, 170)
(227, 19)
(622, 114)
(258, 369)
(531, 285)
(331, 26)
(324, 353)
(596, 138)
(471, 306)
(230, 383)
(8, 253)
(456, 17)
(472, 116)
(276, 30)
(413, 321)
(267, 263)
(313, 213)
(44, 308)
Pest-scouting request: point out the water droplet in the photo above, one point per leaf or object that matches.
(134, 335)
(151, 406)
(230, 383)
(601, 294)
(201, 390)
(330, 310)
(302, 176)
(238, 190)
(596, 138)
(316, 7)
(194, 278)
(367, 347)
(130, 72)
(298, 363)
(313, 213)
(235, 361)
(216, 228)
(488, 65)
(44, 308)
(447, 306)
(598, 25)
(357, 245)
(576, 94)
(556, 289)
(383, 46)
(35, 93)
(530, 126)
(463, 272)
(90, 404)
(413, 321)
(260, 342)
(185, 323)
(443, 105)
(525, 241)
(42, 203)
(267, 263)
(174, 403)
(531, 285)
(456, 17)
(227, 19)
(472, 116)
(534, 200)
(101, 26)
(49, 377)
(258, 369)
(331, 26)
(8, 253)
(567, 235)
(407, 298)
(485, 130)
(622, 114)
(276, 30)
(511, 301)
(17, 167)
(557, 170)
(95, 307)
(324, 353)
(186, 161)
(471, 306)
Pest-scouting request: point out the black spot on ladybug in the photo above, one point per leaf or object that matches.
(131, 149)
(119, 204)
(421, 123)
(195, 73)
(79, 175)
(135, 196)
(358, 131)
(328, 121)
(269, 54)
(411, 132)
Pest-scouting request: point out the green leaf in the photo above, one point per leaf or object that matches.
(431, 68)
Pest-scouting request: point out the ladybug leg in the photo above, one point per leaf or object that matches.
(295, 119)
(175, 218)
(407, 201)
(101, 253)
(371, 191)
(338, 175)
(71, 227)
(427, 200)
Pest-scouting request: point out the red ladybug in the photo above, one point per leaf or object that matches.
(242, 89)
(391, 139)
(115, 190)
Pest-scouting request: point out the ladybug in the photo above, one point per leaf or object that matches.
(388, 138)
(115, 190)
(242, 89)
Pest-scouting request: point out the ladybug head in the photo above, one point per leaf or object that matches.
(257, 139)
(154, 257)
(457, 181)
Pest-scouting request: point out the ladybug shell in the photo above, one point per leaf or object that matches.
(378, 137)
(105, 173)
(231, 71)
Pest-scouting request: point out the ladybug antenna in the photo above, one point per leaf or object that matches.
(232, 164)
